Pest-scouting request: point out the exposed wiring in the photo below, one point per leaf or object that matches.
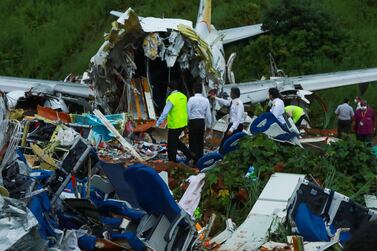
(14, 134)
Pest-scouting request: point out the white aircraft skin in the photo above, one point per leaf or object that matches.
(250, 92)
(211, 36)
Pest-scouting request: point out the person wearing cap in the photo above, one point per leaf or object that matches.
(277, 105)
(364, 123)
(345, 114)
(175, 111)
(297, 114)
(199, 112)
(236, 113)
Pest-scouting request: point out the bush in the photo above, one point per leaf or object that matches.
(347, 166)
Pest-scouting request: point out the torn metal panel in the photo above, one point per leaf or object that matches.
(56, 104)
(201, 49)
(151, 44)
(16, 221)
(184, 61)
(176, 43)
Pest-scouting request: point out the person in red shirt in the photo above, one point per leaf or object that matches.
(364, 123)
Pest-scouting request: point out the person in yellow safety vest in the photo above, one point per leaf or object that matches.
(175, 111)
(297, 114)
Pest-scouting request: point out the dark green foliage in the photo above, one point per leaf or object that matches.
(302, 35)
(49, 39)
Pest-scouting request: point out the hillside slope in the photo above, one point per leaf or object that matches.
(50, 38)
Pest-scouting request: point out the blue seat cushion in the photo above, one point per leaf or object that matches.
(87, 242)
(310, 226)
(208, 160)
(112, 221)
(117, 207)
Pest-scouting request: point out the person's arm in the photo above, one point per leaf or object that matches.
(223, 102)
(165, 113)
(189, 107)
(337, 111)
(239, 115)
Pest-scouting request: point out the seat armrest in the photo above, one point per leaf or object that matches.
(173, 226)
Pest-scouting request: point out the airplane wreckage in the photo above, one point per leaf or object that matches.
(140, 55)
(63, 181)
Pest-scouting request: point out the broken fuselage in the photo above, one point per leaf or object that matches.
(140, 56)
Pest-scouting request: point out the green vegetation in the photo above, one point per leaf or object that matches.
(347, 166)
(49, 39)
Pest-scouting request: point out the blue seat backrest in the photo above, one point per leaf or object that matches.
(151, 191)
(232, 142)
(115, 174)
(208, 160)
(264, 121)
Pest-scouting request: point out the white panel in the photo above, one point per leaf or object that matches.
(280, 187)
(235, 34)
(270, 205)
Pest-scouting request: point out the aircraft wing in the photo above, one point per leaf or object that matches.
(257, 91)
(8, 84)
(235, 34)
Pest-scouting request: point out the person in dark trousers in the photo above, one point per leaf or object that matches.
(199, 112)
(175, 111)
(345, 114)
(236, 113)
(365, 123)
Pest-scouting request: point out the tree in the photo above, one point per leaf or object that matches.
(302, 35)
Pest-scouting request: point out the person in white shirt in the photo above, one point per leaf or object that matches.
(345, 114)
(199, 113)
(277, 105)
(236, 113)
